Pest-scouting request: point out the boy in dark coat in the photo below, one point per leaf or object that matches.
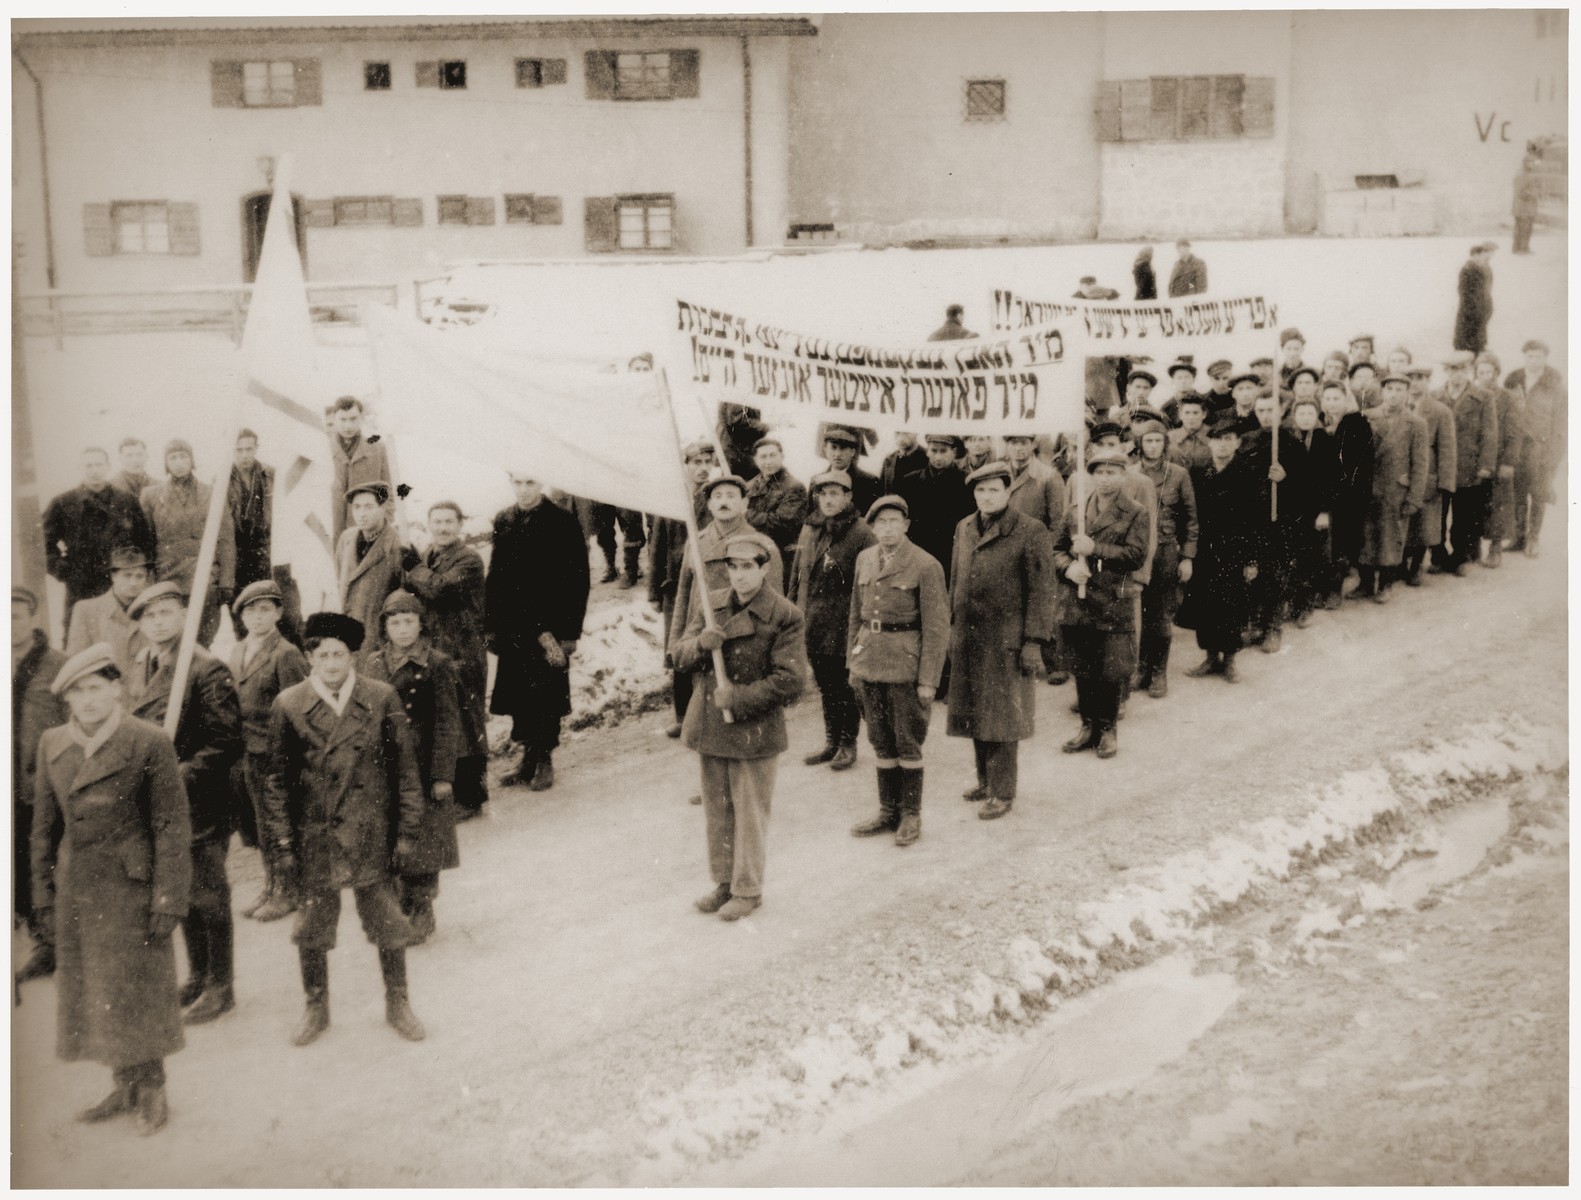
(937, 498)
(1217, 602)
(1352, 437)
(112, 870)
(821, 587)
(534, 601)
(1311, 548)
(345, 810)
(425, 680)
(34, 708)
(762, 639)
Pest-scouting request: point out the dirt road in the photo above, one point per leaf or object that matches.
(587, 1027)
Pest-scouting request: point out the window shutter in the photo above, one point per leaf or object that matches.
(97, 231)
(683, 74)
(553, 71)
(309, 82)
(1196, 93)
(600, 223)
(600, 74)
(1108, 112)
(1163, 102)
(480, 210)
(1224, 119)
(1257, 107)
(318, 214)
(428, 74)
(409, 211)
(546, 210)
(225, 83)
(184, 229)
(1136, 109)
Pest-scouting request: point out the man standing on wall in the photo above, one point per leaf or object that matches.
(1190, 276)
(1476, 300)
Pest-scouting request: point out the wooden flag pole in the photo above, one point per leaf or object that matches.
(1273, 442)
(1080, 472)
(699, 566)
(200, 587)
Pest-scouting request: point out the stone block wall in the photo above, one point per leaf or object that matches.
(1165, 190)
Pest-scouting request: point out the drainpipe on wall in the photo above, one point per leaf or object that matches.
(43, 157)
(746, 126)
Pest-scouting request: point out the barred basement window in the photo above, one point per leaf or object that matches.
(376, 76)
(141, 227)
(269, 84)
(985, 99)
(364, 210)
(452, 210)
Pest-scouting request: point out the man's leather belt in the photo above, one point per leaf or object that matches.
(878, 626)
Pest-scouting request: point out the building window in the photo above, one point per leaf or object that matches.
(1186, 108)
(539, 72)
(453, 74)
(452, 210)
(526, 209)
(985, 99)
(141, 227)
(269, 84)
(645, 222)
(640, 75)
(376, 76)
(364, 210)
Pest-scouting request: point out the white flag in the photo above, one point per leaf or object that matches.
(284, 404)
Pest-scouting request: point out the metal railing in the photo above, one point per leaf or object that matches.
(59, 314)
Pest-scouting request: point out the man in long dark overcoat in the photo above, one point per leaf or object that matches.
(449, 580)
(345, 810)
(1399, 485)
(1476, 419)
(1476, 300)
(938, 499)
(112, 870)
(535, 597)
(34, 708)
(1352, 435)
(1217, 601)
(1546, 417)
(1001, 616)
(82, 527)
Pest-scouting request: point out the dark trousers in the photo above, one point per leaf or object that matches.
(996, 768)
(1313, 568)
(1467, 516)
(1531, 492)
(378, 907)
(207, 929)
(418, 888)
(605, 518)
(472, 782)
(897, 721)
(681, 692)
(841, 714)
(150, 1074)
(538, 732)
(1523, 235)
(1100, 660)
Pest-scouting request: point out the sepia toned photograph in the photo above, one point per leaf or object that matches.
(853, 599)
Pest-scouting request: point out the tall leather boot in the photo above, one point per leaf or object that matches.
(888, 805)
(910, 806)
(831, 737)
(41, 963)
(194, 933)
(153, 1108)
(1159, 687)
(631, 559)
(219, 994)
(397, 1011)
(315, 985)
(282, 897)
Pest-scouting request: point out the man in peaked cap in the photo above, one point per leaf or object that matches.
(842, 446)
(821, 578)
(34, 708)
(1475, 415)
(104, 618)
(898, 633)
(1362, 348)
(760, 637)
(176, 511)
(1218, 393)
(208, 744)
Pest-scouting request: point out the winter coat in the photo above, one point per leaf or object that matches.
(251, 506)
(450, 583)
(1190, 450)
(1039, 492)
(1000, 601)
(275, 666)
(1427, 527)
(104, 619)
(110, 847)
(1119, 534)
(1547, 415)
(425, 680)
(1476, 418)
(738, 432)
(688, 597)
(865, 489)
(366, 583)
(1146, 282)
(81, 527)
(537, 583)
(766, 662)
(208, 736)
(1177, 510)
(1528, 194)
(1399, 480)
(776, 507)
(910, 591)
(176, 511)
(823, 576)
(341, 790)
(1189, 277)
(1512, 424)
(939, 501)
(900, 467)
(1353, 444)
(365, 463)
(131, 484)
(669, 558)
(1476, 307)
(1318, 455)
(1217, 601)
(33, 710)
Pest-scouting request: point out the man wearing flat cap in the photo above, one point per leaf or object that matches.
(1037, 490)
(263, 664)
(1400, 480)
(112, 870)
(1217, 397)
(821, 580)
(1001, 616)
(104, 618)
(345, 808)
(842, 446)
(1476, 422)
(368, 557)
(208, 743)
(777, 502)
(1361, 349)
(726, 499)
(34, 708)
(937, 498)
(177, 511)
(761, 638)
(82, 526)
(1476, 300)
(1547, 419)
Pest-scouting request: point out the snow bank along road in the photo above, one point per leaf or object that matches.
(586, 1026)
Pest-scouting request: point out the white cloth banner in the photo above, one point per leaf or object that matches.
(600, 434)
(1027, 381)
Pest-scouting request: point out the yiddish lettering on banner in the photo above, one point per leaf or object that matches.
(1113, 327)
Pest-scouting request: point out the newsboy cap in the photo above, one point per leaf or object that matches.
(1146, 412)
(1115, 455)
(22, 595)
(1247, 377)
(377, 488)
(123, 557)
(898, 503)
(1359, 366)
(842, 436)
(697, 449)
(178, 445)
(1220, 364)
(1300, 371)
(989, 470)
(1393, 378)
(749, 543)
(1183, 364)
(736, 480)
(401, 601)
(97, 659)
(169, 590)
(263, 589)
(1147, 375)
(1291, 335)
(828, 479)
(1103, 429)
(1225, 424)
(334, 625)
(946, 439)
(1535, 344)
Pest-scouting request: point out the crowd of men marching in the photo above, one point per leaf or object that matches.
(348, 745)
